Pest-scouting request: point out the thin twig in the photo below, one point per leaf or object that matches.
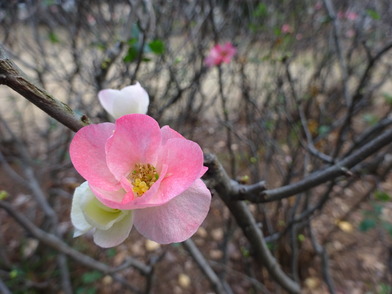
(59, 245)
(205, 267)
(340, 168)
(3, 288)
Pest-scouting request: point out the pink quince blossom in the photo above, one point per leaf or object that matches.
(349, 15)
(220, 54)
(286, 29)
(134, 165)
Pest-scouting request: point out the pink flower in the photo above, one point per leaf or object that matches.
(220, 54)
(318, 6)
(351, 15)
(134, 165)
(131, 99)
(286, 29)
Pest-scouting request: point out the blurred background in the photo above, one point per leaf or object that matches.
(310, 84)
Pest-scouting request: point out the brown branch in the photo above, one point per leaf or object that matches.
(227, 190)
(340, 168)
(13, 77)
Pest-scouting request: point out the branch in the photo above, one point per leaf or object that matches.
(227, 190)
(3, 288)
(340, 168)
(205, 267)
(13, 77)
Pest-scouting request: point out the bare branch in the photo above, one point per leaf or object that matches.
(13, 77)
(227, 189)
(317, 178)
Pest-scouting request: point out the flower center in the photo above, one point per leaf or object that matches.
(142, 178)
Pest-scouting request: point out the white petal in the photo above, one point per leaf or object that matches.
(106, 98)
(116, 234)
(77, 217)
(133, 99)
(100, 216)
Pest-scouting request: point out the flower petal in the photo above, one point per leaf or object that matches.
(107, 97)
(77, 217)
(136, 139)
(100, 216)
(185, 164)
(109, 198)
(168, 133)
(176, 220)
(87, 151)
(133, 99)
(116, 234)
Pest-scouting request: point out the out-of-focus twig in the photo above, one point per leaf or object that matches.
(340, 168)
(205, 267)
(59, 245)
(13, 77)
(3, 288)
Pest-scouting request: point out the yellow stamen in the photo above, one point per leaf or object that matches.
(142, 178)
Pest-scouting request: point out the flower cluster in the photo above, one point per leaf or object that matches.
(137, 174)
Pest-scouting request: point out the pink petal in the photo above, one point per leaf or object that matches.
(184, 159)
(111, 199)
(168, 133)
(87, 151)
(136, 139)
(178, 219)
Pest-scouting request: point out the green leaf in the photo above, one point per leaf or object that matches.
(111, 252)
(388, 98)
(53, 38)
(86, 290)
(367, 224)
(132, 54)
(157, 47)
(382, 196)
(388, 227)
(3, 194)
(132, 41)
(135, 31)
(261, 10)
(373, 14)
(377, 209)
(370, 118)
(323, 130)
(91, 277)
(384, 289)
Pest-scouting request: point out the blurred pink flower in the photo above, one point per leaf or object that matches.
(286, 29)
(220, 54)
(350, 33)
(134, 165)
(349, 15)
(318, 6)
